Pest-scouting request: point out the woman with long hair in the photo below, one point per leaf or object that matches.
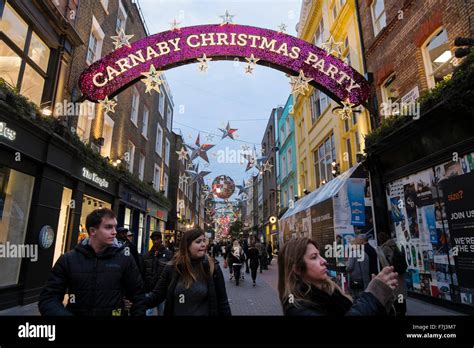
(305, 288)
(237, 257)
(193, 283)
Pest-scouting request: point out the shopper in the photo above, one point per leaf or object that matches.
(270, 253)
(358, 268)
(155, 261)
(129, 247)
(306, 290)
(245, 246)
(390, 255)
(228, 257)
(193, 283)
(96, 275)
(254, 261)
(237, 256)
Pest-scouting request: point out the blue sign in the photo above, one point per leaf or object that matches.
(356, 194)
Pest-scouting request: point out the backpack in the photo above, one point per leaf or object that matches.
(399, 262)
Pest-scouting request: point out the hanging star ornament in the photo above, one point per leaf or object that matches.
(228, 132)
(108, 104)
(252, 161)
(152, 80)
(267, 167)
(183, 179)
(331, 46)
(241, 188)
(203, 63)
(175, 25)
(252, 60)
(227, 18)
(248, 69)
(209, 137)
(121, 39)
(282, 28)
(200, 150)
(245, 148)
(197, 176)
(182, 154)
(345, 112)
(300, 84)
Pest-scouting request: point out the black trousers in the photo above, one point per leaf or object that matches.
(237, 273)
(246, 265)
(253, 273)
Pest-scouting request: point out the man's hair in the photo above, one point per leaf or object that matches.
(94, 219)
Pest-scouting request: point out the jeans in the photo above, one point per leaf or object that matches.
(160, 310)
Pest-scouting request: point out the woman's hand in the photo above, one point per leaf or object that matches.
(388, 276)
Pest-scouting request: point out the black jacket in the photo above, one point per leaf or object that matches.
(96, 284)
(155, 261)
(323, 304)
(253, 257)
(164, 290)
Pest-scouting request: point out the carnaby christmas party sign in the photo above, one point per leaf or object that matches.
(147, 57)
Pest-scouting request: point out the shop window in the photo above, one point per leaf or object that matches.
(131, 156)
(107, 133)
(84, 122)
(127, 220)
(159, 140)
(96, 39)
(141, 167)
(24, 57)
(438, 57)
(378, 15)
(169, 118)
(135, 106)
(63, 224)
(145, 122)
(121, 18)
(16, 190)
(157, 177)
(167, 152)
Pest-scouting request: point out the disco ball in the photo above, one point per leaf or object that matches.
(223, 186)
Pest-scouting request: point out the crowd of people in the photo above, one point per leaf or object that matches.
(105, 275)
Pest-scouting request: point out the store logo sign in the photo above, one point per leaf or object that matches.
(94, 178)
(6, 132)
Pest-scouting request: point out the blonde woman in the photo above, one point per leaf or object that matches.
(306, 290)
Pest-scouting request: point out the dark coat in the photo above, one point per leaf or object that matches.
(253, 257)
(165, 288)
(155, 261)
(322, 304)
(96, 283)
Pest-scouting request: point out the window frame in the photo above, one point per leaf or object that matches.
(161, 133)
(131, 155)
(135, 106)
(146, 116)
(429, 72)
(375, 21)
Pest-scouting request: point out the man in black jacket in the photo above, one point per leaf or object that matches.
(96, 275)
(155, 261)
(122, 236)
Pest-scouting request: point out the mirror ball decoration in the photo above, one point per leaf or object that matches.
(223, 186)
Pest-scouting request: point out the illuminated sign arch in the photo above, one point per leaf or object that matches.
(124, 66)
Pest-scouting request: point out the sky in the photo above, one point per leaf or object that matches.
(205, 102)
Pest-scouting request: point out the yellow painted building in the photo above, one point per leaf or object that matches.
(321, 136)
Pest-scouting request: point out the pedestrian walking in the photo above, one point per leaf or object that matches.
(262, 253)
(306, 290)
(254, 258)
(237, 256)
(228, 256)
(358, 269)
(97, 274)
(193, 283)
(123, 236)
(270, 253)
(155, 261)
(390, 255)
(245, 246)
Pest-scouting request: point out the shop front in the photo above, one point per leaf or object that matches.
(157, 218)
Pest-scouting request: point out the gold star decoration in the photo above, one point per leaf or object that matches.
(252, 60)
(121, 39)
(299, 84)
(331, 46)
(203, 63)
(108, 104)
(175, 25)
(182, 154)
(249, 69)
(267, 167)
(282, 28)
(227, 18)
(345, 112)
(153, 79)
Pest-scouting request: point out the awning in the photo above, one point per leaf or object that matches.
(321, 194)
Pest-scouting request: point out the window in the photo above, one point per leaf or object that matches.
(161, 104)
(288, 127)
(378, 15)
(135, 106)
(319, 103)
(169, 118)
(159, 140)
(167, 152)
(292, 192)
(16, 190)
(107, 133)
(357, 141)
(323, 157)
(84, 122)
(349, 151)
(121, 18)
(283, 166)
(282, 132)
(24, 56)
(319, 36)
(285, 198)
(157, 177)
(131, 156)
(145, 122)
(96, 39)
(290, 161)
(438, 58)
(165, 184)
(389, 90)
(141, 167)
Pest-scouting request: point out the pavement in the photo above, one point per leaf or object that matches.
(261, 300)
